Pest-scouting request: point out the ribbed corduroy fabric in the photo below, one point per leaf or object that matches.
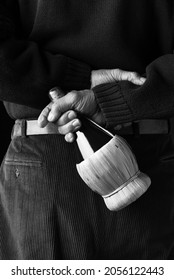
(47, 212)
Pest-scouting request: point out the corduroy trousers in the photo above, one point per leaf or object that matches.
(47, 211)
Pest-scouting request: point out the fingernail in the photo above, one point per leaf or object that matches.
(70, 139)
(41, 120)
(55, 93)
(50, 117)
(76, 123)
(71, 115)
(142, 80)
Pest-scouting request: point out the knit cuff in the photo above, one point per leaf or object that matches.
(112, 104)
(77, 76)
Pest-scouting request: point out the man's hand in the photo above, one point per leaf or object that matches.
(63, 110)
(113, 75)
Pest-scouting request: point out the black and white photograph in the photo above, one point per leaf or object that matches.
(87, 132)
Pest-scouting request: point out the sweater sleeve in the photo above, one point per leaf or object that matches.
(123, 101)
(27, 72)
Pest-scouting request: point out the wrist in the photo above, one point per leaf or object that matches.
(92, 78)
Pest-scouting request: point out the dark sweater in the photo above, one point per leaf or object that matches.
(57, 43)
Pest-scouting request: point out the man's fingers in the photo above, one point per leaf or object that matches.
(42, 119)
(134, 77)
(55, 93)
(70, 127)
(66, 117)
(70, 137)
(57, 109)
(63, 104)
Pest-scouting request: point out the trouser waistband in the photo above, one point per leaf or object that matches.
(31, 127)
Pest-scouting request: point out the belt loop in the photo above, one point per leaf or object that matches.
(23, 128)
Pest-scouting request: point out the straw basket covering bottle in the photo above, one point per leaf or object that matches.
(112, 170)
(109, 166)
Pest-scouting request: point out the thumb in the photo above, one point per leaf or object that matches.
(61, 103)
(55, 93)
(58, 108)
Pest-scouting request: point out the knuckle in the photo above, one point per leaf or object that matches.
(134, 74)
(46, 110)
(118, 73)
(73, 96)
(130, 76)
(55, 106)
(69, 137)
(62, 129)
(59, 129)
